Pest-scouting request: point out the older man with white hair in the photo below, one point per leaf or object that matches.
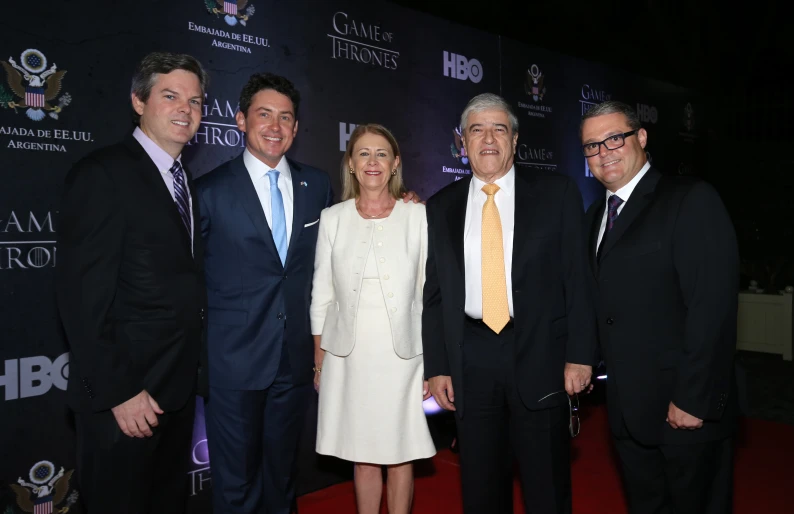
(508, 327)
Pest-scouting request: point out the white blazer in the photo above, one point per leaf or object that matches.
(343, 242)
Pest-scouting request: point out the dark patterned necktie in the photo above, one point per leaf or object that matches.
(613, 203)
(180, 195)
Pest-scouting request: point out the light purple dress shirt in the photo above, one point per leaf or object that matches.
(163, 161)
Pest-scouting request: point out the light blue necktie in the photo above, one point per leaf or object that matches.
(279, 220)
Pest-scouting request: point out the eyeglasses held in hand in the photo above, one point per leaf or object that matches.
(573, 411)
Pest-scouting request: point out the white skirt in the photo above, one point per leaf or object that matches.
(371, 401)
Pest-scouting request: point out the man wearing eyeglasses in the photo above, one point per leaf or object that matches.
(664, 263)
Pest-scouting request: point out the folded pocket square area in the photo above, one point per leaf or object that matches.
(312, 223)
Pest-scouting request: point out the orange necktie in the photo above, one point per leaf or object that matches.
(495, 311)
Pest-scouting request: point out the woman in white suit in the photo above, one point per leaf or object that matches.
(366, 315)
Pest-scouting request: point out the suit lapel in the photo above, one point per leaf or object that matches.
(161, 194)
(594, 226)
(246, 193)
(640, 198)
(525, 215)
(198, 249)
(298, 206)
(456, 219)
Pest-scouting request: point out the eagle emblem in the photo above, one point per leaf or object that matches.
(232, 10)
(533, 84)
(457, 148)
(34, 86)
(47, 492)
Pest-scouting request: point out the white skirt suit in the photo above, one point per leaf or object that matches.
(367, 306)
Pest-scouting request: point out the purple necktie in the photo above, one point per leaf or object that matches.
(180, 195)
(613, 202)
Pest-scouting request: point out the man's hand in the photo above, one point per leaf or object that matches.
(577, 378)
(317, 381)
(137, 415)
(425, 390)
(441, 389)
(677, 418)
(411, 196)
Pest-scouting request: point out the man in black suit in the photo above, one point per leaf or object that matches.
(130, 290)
(508, 327)
(665, 273)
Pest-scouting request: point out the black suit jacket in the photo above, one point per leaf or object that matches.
(553, 313)
(666, 291)
(130, 295)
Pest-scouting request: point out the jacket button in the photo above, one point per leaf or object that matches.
(201, 313)
(280, 315)
(610, 321)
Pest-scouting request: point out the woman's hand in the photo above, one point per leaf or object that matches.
(425, 390)
(319, 355)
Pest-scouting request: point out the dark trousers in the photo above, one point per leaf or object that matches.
(128, 475)
(680, 479)
(253, 440)
(497, 427)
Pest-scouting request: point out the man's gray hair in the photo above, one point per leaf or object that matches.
(488, 102)
(612, 107)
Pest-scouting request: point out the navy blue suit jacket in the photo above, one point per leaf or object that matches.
(256, 306)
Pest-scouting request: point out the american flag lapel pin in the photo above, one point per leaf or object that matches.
(304, 184)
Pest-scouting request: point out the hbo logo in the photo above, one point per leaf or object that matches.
(34, 376)
(648, 114)
(459, 67)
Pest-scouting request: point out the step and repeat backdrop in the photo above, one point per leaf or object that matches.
(64, 92)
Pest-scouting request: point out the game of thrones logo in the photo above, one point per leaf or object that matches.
(367, 48)
(218, 125)
(27, 241)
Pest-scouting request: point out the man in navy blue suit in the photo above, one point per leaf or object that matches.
(259, 220)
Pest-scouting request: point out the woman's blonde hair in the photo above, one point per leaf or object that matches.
(350, 187)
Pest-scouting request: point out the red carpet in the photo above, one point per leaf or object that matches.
(764, 475)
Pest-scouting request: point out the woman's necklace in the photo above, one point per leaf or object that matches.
(372, 215)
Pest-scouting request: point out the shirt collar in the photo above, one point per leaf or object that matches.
(506, 183)
(160, 157)
(625, 192)
(258, 169)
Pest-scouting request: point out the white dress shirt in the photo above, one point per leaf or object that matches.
(164, 162)
(505, 200)
(258, 171)
(623, 193)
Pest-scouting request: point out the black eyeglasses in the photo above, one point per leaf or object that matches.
(573, 410)
(610, 143)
